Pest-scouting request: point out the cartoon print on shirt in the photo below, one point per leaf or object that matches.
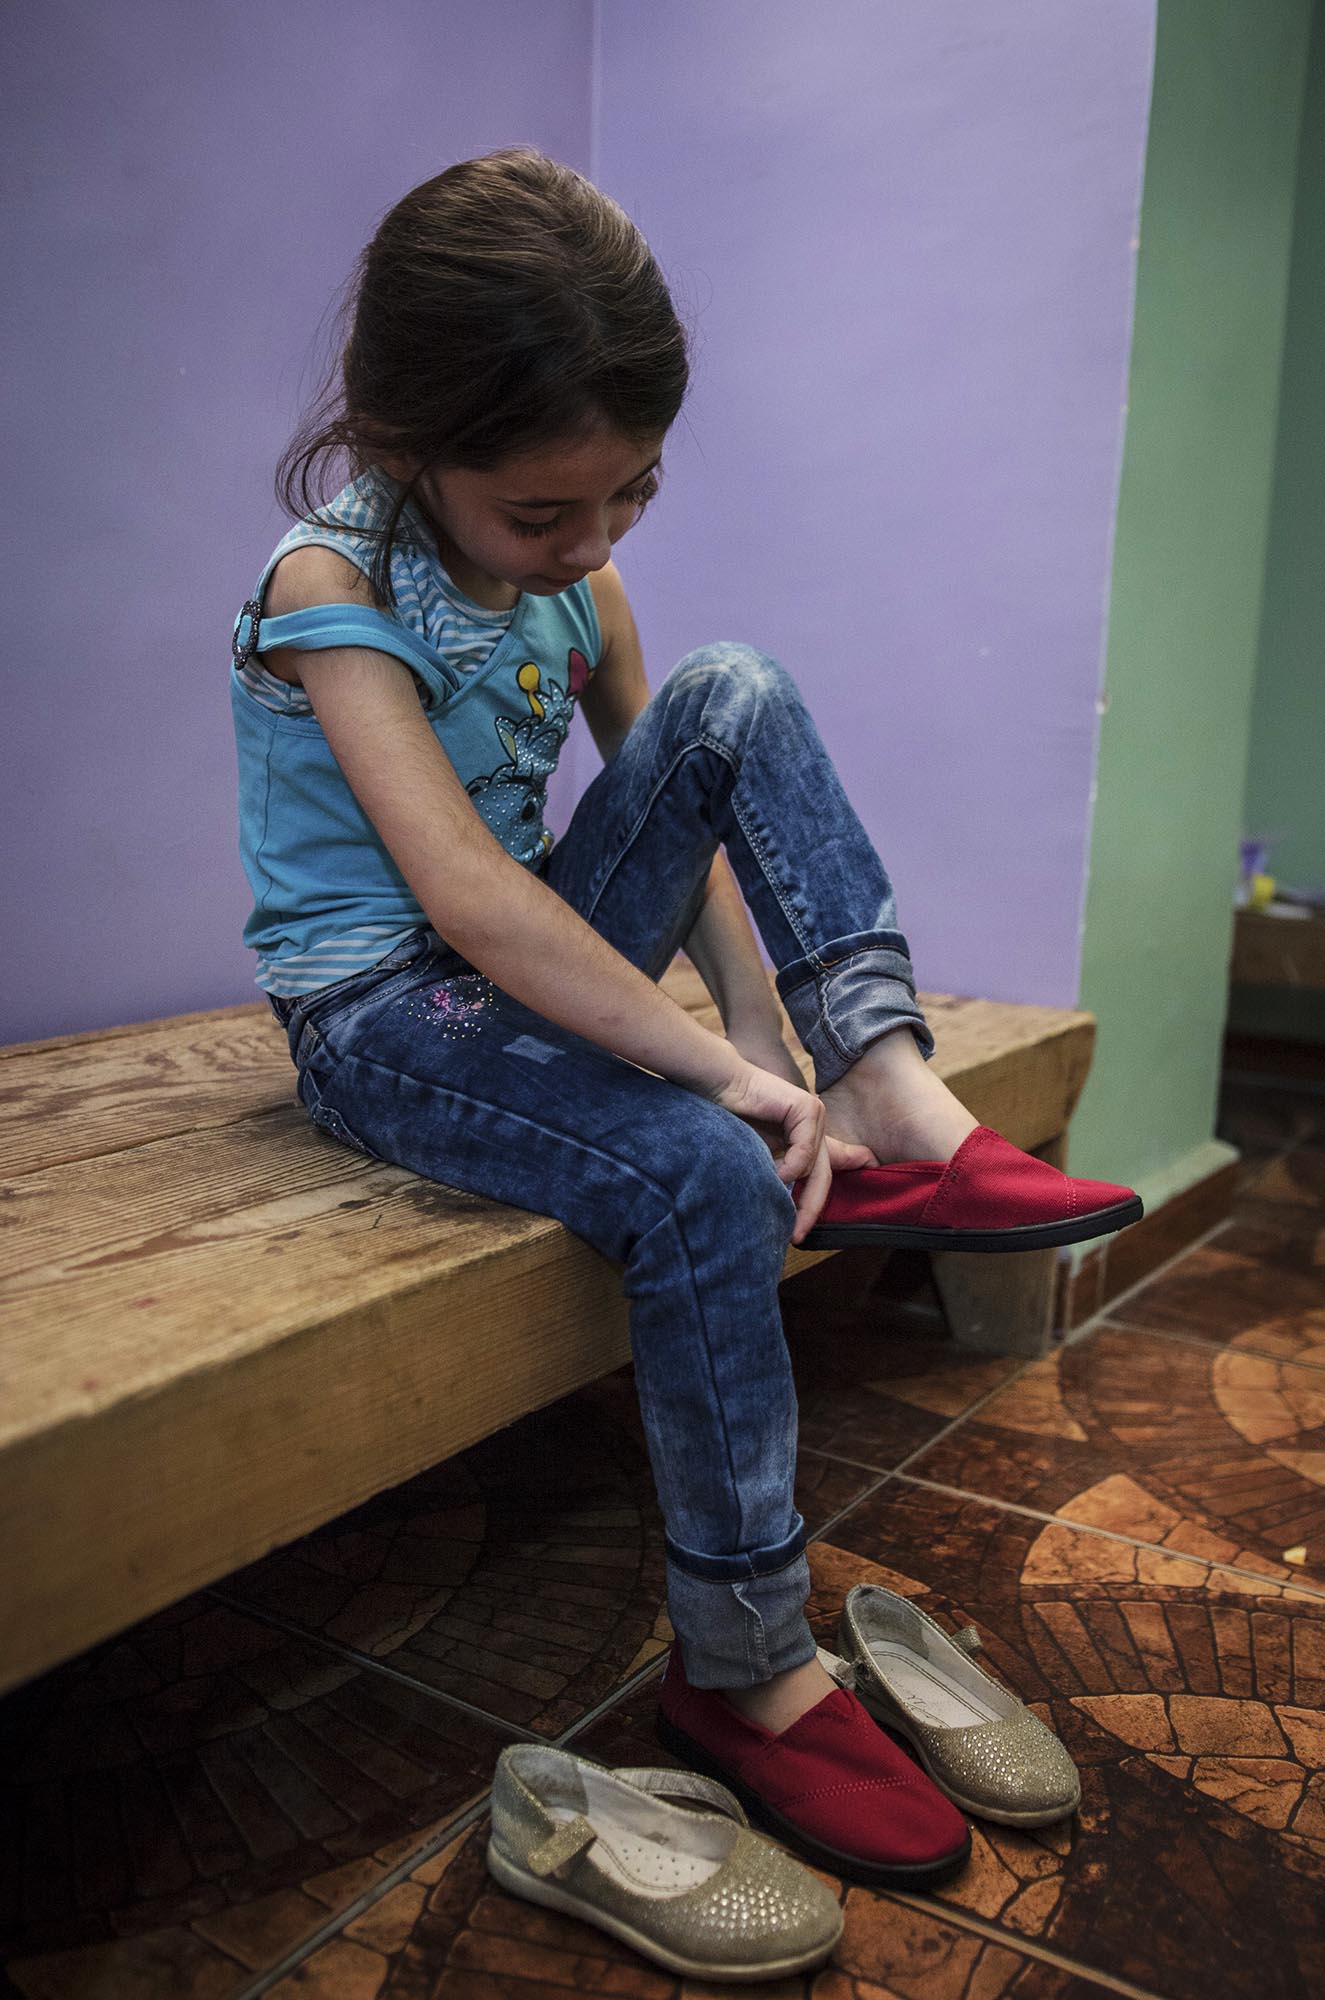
(511, 800)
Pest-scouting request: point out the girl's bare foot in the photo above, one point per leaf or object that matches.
(891, 1101)
(776, 1704)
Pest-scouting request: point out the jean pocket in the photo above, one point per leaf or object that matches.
(330, 1121)
(326, 1117)
(337, 1009)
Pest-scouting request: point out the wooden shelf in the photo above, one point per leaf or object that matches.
(1278, 951)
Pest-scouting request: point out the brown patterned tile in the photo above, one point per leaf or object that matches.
(825, 1487)
(872, 1383)
(1304, 1253)
(180, 1807)
(1191, 1707)
(913, 1952)
(1166, 1232)
(470, 1940)
(1289, 1196)
(1262, 1119)
(1216, 1452)
(1187, 1699)
(525, 1576)
(1248, 1287)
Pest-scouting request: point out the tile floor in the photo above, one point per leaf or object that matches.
(278, 1786)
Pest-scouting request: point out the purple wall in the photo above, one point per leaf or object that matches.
(909, 231)
(187, 188)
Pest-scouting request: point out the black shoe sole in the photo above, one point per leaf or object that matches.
(1026, 1236)
(875, 1874)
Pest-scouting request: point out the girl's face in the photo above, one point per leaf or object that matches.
(542, 521)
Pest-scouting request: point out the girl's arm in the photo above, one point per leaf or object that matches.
(503, 919)
(723, 946)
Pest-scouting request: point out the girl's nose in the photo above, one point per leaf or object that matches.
(589, 549)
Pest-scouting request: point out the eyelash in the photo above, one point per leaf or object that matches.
(638, 496)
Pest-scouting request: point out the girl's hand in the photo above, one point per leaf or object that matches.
(765, 1048)
(796, 1117)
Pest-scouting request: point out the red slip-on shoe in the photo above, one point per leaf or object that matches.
(834, 1786)
(988, 1196)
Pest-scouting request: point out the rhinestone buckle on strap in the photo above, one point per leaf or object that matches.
(560, 1848)
(242, 654)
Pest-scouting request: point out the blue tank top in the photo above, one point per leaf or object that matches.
(328, 898)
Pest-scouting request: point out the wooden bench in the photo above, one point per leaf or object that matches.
(222, 1328)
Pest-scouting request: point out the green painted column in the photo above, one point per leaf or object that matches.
(1286, 769)
(1286, 766)
(1189, 562)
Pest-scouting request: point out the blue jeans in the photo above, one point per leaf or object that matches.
(421, 1061)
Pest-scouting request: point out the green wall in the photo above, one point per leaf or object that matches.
(1189, 558)
(1286, 770)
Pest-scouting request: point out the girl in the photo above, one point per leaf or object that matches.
(469, 1001)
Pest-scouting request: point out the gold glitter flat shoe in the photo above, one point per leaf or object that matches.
(979, 1743)
(696, 1891)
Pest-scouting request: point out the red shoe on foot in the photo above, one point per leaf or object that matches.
(834, 1786)
(988, 1196)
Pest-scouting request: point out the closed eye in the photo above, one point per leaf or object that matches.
(630, 496)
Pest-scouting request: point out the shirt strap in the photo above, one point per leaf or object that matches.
(324, 625)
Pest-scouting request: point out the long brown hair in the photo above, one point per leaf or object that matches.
(505, 305)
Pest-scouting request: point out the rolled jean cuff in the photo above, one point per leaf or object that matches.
(740, 1633)
(849, 993)
(744, 1564)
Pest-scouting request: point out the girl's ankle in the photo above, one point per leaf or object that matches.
(776, 1704)
(905, 1115)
